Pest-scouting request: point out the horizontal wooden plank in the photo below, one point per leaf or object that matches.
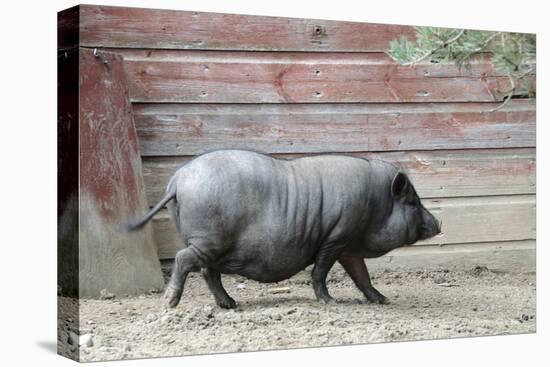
(379, 63)
(170, 130)
(465, 220)
(510, 256)
(435, 174)
(482, 219)
(103, 26)
(275, 77)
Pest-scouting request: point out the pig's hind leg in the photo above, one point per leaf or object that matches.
(200, 253)
(185, 262)
(356, 268)
(214, 281)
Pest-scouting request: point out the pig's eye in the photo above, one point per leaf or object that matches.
(411, 202)
(415, 208)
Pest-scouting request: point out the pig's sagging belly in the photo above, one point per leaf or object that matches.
(267, 257)
(263, 271)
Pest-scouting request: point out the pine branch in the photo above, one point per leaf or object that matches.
(508, 96)
(434, 50)
(485, 43)
(512, 54)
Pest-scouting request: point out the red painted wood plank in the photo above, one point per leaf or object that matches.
(185, 129)
(435, 174)
(103, 26)
(230, 77)
(110, 185)
(480, 65)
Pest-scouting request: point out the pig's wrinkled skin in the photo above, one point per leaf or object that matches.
(241, 212)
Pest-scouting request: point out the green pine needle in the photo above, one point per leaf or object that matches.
(512, 54)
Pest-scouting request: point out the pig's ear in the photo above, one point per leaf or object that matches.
(400, 185)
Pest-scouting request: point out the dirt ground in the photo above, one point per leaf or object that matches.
(423, 305)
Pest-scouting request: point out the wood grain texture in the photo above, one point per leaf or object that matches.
(294, 87)
(110, 185)
(435, 174)
(103, 26)
(509, 256)
(172, 130)
(483, 219)
(465, 220)
(280, 77)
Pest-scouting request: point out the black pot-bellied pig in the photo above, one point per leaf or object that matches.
(241, 212)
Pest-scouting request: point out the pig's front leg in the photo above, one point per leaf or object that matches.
(357, 270)
(324, 261)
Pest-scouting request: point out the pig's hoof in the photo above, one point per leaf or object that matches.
(327, 300)
(227, 303)
(376, 297)
(173, 295)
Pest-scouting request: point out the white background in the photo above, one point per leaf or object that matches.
(28, 181)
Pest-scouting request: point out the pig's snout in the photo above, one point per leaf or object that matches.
(431, 226)
(435, 229)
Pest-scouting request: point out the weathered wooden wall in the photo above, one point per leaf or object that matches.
(110, 184)
(292, 87)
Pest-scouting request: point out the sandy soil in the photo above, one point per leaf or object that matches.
(424, 305)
